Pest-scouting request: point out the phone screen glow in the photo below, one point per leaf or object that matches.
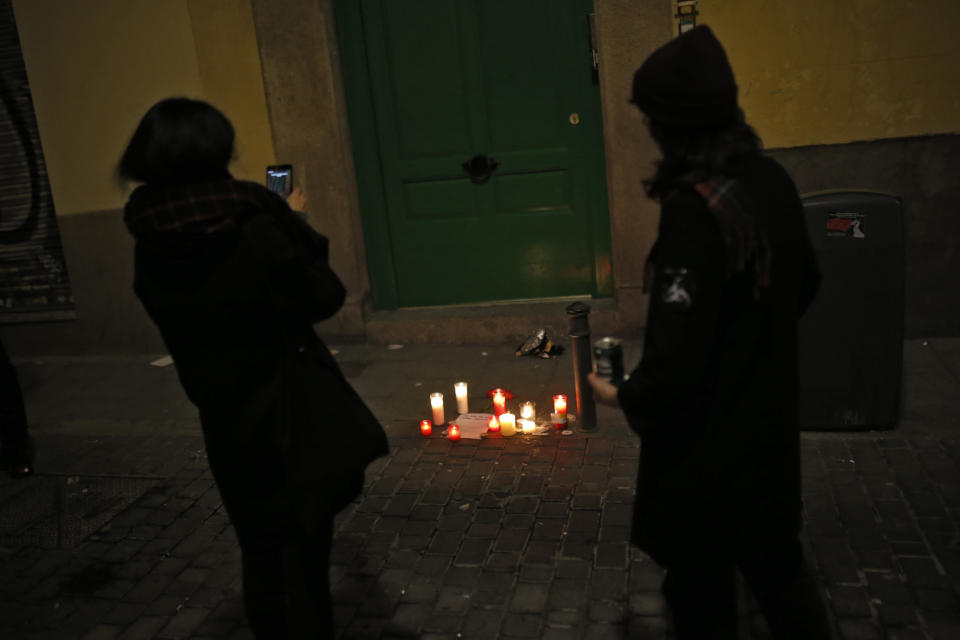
(279, 181)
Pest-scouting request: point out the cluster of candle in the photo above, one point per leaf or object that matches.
(502, 421)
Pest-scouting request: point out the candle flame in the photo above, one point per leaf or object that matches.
(560, 404)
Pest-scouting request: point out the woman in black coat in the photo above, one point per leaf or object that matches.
(234, 280)
(714, 396)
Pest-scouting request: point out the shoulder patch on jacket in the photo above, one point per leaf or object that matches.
(677, 288)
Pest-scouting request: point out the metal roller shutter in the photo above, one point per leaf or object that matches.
(33, 272)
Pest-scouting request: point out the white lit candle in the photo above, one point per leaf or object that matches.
(527, 426)
(508, 425)
(528, 411)
(461, 389)
(436, 403)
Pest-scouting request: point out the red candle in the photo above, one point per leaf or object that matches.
(560, 411)
(493, 426)
(560, 405)
(454, 432)
(499, 402)
(426, 427)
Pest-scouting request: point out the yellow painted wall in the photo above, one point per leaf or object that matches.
(229, 61)
(830, 71)
(96, 66)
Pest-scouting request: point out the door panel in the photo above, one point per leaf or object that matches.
(523, 83)
(429, 117)
(452, 79)
(438, 199)
(533, 192)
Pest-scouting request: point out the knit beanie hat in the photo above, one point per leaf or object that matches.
(688, 82)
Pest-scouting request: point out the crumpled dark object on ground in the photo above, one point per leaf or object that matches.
(538, 344)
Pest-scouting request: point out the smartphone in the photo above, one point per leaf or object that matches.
(280, 179)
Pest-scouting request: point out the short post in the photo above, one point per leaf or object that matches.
(578, 316)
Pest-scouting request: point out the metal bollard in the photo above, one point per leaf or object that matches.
(577, 316)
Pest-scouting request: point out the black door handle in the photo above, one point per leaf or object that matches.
(480, 168)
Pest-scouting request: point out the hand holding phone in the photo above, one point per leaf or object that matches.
(297, 201)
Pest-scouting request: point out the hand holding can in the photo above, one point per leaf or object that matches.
(608, 359)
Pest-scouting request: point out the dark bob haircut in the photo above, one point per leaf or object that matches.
(178, 141)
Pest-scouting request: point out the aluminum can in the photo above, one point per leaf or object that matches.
(608, 359)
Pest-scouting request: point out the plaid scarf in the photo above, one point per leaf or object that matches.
(745, 242)
(174, 212)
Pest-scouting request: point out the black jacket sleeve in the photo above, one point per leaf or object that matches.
(298, 267)
(683, 310)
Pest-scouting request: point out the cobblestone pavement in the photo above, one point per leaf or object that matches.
(122, 535)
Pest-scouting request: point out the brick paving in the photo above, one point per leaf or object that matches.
(522, 537)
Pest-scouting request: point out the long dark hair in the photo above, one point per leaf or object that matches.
(693, 155)
(178, 141)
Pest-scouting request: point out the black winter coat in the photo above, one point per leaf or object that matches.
(714, 397)
(235, 308)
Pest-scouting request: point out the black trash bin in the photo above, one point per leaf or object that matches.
(851, 338)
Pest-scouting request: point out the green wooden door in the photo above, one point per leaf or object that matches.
(510, 80)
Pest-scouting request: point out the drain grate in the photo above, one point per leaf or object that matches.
(59, 512)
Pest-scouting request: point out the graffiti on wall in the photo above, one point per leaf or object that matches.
(33, 272)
